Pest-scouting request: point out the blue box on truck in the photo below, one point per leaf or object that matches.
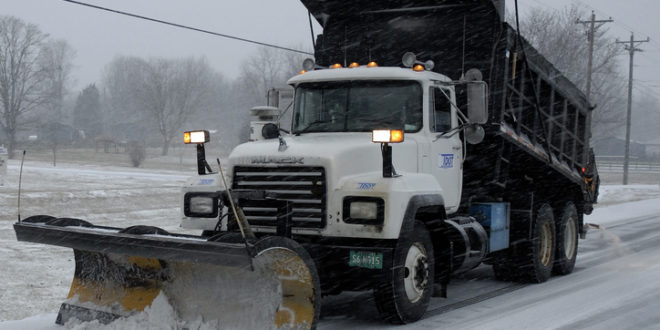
(495, 218)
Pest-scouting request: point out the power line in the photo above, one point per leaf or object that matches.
(187, 27)
(648, 90)
(618, 22)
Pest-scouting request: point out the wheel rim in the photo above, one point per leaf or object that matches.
(416, 272)
(570, 236)
(546, 244)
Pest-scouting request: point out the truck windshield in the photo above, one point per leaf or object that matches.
(357, 106)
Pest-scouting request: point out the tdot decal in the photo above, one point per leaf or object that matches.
(206, 182)
(446, 160)
(366, 186)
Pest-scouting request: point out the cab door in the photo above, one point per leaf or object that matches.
(446, 145)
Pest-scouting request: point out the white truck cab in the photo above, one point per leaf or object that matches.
(337, 187)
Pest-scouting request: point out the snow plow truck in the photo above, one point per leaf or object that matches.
(426, 137)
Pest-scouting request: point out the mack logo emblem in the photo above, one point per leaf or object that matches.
(278, 160)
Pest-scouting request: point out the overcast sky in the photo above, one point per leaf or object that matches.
(98, 36)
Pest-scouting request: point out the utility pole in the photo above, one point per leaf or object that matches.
(591, 36)
(630, 47)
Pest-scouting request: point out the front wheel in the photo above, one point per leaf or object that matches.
(404, 296)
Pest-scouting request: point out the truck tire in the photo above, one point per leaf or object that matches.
(535, 258)
(567, 241)
(404, 296)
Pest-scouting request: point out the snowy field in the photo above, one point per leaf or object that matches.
(616, 283)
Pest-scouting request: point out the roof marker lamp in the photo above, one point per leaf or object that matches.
(385, 137)
(354, 65)
(199, 138)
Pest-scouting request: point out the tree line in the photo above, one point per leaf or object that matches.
(150, 100)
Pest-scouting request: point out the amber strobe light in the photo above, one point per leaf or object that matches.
(387, 135)
(196, 137)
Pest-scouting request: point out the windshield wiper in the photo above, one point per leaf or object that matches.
(312, 124)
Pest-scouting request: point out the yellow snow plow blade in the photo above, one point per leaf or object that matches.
(214, 284)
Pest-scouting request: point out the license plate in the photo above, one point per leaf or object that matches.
(366, 259)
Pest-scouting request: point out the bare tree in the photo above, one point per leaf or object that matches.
(172, 90)
(21, 76)
(122, 115)
(266, 69)
(165, 91)
(261, 72)
(56, 62)
(564, 43)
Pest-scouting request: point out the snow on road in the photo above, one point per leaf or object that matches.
(616, 283)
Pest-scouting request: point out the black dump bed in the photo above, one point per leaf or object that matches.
(537, 117)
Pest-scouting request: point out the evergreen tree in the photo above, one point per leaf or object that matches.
(87, 112)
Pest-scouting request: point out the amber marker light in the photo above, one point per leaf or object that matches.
(372, 64)
(418, 68)
(354, 65)
(396, 135)
(302, 71)
(335, 66)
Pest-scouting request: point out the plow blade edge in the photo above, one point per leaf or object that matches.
(122, 272)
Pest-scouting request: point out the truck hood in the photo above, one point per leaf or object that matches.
(341, 154)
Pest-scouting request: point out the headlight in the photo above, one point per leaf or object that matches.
(364, 210)
(200, 205)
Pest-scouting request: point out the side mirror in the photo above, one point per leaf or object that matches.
(477, 97)
(474, 134)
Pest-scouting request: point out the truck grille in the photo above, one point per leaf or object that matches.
(304, 187)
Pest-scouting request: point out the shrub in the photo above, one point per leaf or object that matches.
(136, 152)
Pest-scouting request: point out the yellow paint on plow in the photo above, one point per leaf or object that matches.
(131, 294)
(297, 306)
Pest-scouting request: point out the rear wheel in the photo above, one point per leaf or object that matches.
(567, 241)
(405, 296)
(535, 258)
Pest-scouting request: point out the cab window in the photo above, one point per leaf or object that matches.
(441, 105)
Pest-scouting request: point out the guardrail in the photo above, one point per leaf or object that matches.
(640, 167)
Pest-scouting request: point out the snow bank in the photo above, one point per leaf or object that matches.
(618, 202)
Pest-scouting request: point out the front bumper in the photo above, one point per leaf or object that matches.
(332, 258)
